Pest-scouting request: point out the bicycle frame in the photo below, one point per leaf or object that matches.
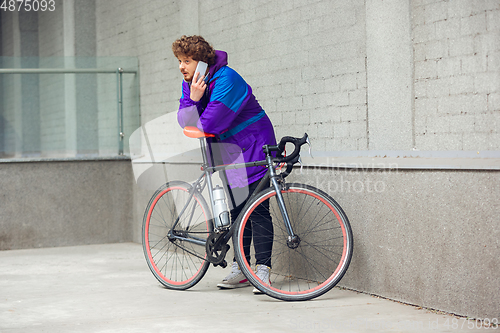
(181, 238)
(207, 174)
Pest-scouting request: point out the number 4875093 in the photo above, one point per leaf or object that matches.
(471, 323)
(28, 5)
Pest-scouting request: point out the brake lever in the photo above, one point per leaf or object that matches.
(310, 149)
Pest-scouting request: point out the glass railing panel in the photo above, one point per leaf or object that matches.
(67, 107)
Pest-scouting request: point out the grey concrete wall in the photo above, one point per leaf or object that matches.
(59, 203)
(423, 237)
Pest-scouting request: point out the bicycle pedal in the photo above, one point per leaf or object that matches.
(222, 264)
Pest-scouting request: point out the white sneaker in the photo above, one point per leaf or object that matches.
(235, 279)
(263, 272)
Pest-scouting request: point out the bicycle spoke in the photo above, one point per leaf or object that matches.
(176, 263)
(309, 265)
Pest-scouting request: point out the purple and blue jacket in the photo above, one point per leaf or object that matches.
(230, 111)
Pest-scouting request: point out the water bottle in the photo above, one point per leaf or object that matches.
(220, 208)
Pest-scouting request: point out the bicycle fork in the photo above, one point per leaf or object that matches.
(293, 240)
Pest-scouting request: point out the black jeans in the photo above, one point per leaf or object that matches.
(260, 229)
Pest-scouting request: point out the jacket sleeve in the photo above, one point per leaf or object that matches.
(228, 97)
(189, 110)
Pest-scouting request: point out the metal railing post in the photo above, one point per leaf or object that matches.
(119, 91)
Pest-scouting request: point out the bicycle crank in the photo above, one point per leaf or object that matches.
(216, 249)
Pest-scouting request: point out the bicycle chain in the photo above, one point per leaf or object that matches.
(192, 253)
(210, 250)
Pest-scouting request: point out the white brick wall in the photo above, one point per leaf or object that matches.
(145, 29)
(457, 77)
(306, 61)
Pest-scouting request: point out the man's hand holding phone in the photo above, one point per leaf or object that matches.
(198, 87)
(198, 84)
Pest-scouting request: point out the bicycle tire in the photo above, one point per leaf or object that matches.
(321, 258)
(176, 264)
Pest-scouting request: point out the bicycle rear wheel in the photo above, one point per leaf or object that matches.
(176, 263)
(307, 268)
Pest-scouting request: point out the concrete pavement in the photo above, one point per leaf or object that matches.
(109, 288)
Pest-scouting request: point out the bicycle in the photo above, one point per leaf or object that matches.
(312, 241)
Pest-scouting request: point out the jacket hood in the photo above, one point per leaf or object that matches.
(220, 61)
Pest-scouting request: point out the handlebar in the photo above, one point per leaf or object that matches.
(289, 166)
(297, 142)
(294, 157)
(280, 148)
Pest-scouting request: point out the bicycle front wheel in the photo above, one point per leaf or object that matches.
(304, 267)
(176, 262)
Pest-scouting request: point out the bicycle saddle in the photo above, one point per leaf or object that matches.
(195, 133)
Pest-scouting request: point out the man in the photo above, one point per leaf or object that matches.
(221, 102)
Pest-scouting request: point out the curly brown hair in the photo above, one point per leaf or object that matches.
(195, 47)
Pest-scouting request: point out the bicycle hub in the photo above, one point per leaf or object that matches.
(293, 242)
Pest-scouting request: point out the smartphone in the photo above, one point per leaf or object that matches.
(201, 68)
